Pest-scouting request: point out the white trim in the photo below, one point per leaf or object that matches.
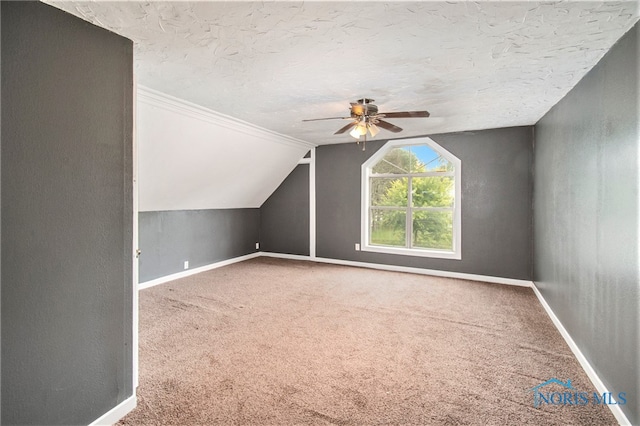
(394, 268)
(136, 265)
(312, 204)
(456, 253)
(285, 256)
(180, 106)
(194, 271)
(404, 251)
(584, 363)
(311, 161)
(116, 413)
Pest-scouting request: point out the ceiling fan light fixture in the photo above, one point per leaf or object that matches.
(373, 129)
(359, 130)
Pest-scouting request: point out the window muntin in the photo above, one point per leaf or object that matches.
(411, 200)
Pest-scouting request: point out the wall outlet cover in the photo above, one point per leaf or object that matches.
(186, 264)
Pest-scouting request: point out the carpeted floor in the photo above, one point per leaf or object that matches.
(281, 342)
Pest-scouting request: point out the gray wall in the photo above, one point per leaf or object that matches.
(586, 217)
(496, 203)
(66, 217)
(284, 217)
(202, 237)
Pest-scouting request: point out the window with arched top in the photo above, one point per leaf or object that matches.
(411, 200)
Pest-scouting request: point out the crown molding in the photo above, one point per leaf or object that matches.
(186, 108)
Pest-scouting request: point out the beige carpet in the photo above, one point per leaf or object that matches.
(281, 342)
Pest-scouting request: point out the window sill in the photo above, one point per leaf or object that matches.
(438, 254)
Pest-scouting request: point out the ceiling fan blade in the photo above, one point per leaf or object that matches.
(345, 128)
(329, 118)
(388, 126)
(406, 114)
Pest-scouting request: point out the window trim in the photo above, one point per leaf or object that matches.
(456, 253)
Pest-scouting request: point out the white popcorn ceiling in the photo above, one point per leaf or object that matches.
(473, 65)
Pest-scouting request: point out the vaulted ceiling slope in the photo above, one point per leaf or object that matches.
(473, 65)
(192, 158)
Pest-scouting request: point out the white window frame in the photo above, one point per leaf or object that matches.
(456, 252)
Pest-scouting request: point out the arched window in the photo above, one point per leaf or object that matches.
(411, 198)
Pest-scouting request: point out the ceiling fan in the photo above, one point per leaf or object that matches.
(366, 119)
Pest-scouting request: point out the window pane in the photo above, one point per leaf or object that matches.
(433, 230)
(428, 160)
(397, 160)
(388, 227)
(389, 192)
(435, 191)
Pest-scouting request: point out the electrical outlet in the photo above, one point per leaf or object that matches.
(357, 246)
(257, 246)
(186, 264)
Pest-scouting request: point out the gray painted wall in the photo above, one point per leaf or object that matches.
(496, 209)
(202, 237)
(66, 217)
(586, 217)
(284, 217)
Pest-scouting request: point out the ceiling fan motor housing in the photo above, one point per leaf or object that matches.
(361, 109)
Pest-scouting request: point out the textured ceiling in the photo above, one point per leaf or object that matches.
(473, 65)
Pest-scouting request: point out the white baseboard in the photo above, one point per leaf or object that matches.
(586, 366)
(194, 271)
(420, 271)
(286, 256)
(116, 413)
(431, 272)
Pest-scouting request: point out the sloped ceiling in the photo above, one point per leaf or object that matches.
(191, 158)
(473, 65)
